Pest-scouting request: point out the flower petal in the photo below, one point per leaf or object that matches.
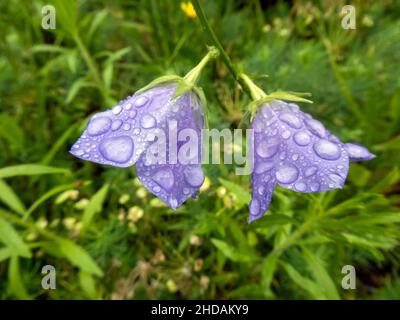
(357, 152)
(297, 152)
(114, 137)
(180, 176)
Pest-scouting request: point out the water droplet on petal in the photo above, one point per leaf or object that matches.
(308, 172)
(282, 156)
(156, 189)
(79, 152)
(315, 127)
(254, 207)
(148, 121)
(98, 126)
(286, 134)
(194, 176)
(165, 178)
(261, 190)
(302, 138)
(116, 110)
(128, 106)
(295, 157)
(116, 125)
(264, 166)
(290, 119)
(287, 174)
(186, 191)
(300, 186)
(141, 101)
(132, 114)
(126, 126)
(327, 150)
(314, 186)
(267, 148)
(338, 180)
(117, 149)
(173, 202)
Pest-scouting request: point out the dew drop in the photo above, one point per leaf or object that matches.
(286, 134)
(117, 149)
(310, 171)
(126, 126)
(314, 186)
(128, 106)
(132, 114)
(186, 191)
(116, 110)
(295, 157)
(116, 125)
(315, 127)
(98, 126)
(148, 121)
(302, 138)
(327, 150)
(165, 178)
(300, 186)
(287, 174)
(264, 166)
(254, 207)
(141, 101)
(194, 176)
(173, 202)
(267, 148)
(156, 189)
(290, 119)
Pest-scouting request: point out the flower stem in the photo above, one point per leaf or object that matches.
(211, 34)
(192, 76)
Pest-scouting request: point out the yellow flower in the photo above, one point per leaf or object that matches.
(135, 214)
(188, 9)
(206, 184)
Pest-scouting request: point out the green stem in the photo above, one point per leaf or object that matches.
(192, 76)
(92, 68)
(225, 58)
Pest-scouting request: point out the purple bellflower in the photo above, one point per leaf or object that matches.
(295, 151)
(146, 129)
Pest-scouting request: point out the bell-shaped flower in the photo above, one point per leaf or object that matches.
(159, 130)
(295, 151)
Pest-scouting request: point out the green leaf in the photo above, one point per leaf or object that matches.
(95, 206)
(321, 275)
(10, 237)
(11, 132)
(79, 257)
(8, 196)
(307, 284)
(47, 195)
(30, 170)
(241, 194)
(267, 273)
(359, 175)
(270, 220)
(15, 284)
(88, 284)
(67, 15)
(5, 253)
(232, 253)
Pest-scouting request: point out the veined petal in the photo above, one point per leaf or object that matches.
(297, 152)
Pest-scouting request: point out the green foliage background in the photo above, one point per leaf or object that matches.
(110, 239)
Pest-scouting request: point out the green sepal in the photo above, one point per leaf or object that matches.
(277, 95)
(160, 80)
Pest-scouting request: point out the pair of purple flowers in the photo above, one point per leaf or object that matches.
(290, 147)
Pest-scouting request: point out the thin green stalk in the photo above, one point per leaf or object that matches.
(92, 68)
(225, 58)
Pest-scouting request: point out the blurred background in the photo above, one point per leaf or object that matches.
(108, 238)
